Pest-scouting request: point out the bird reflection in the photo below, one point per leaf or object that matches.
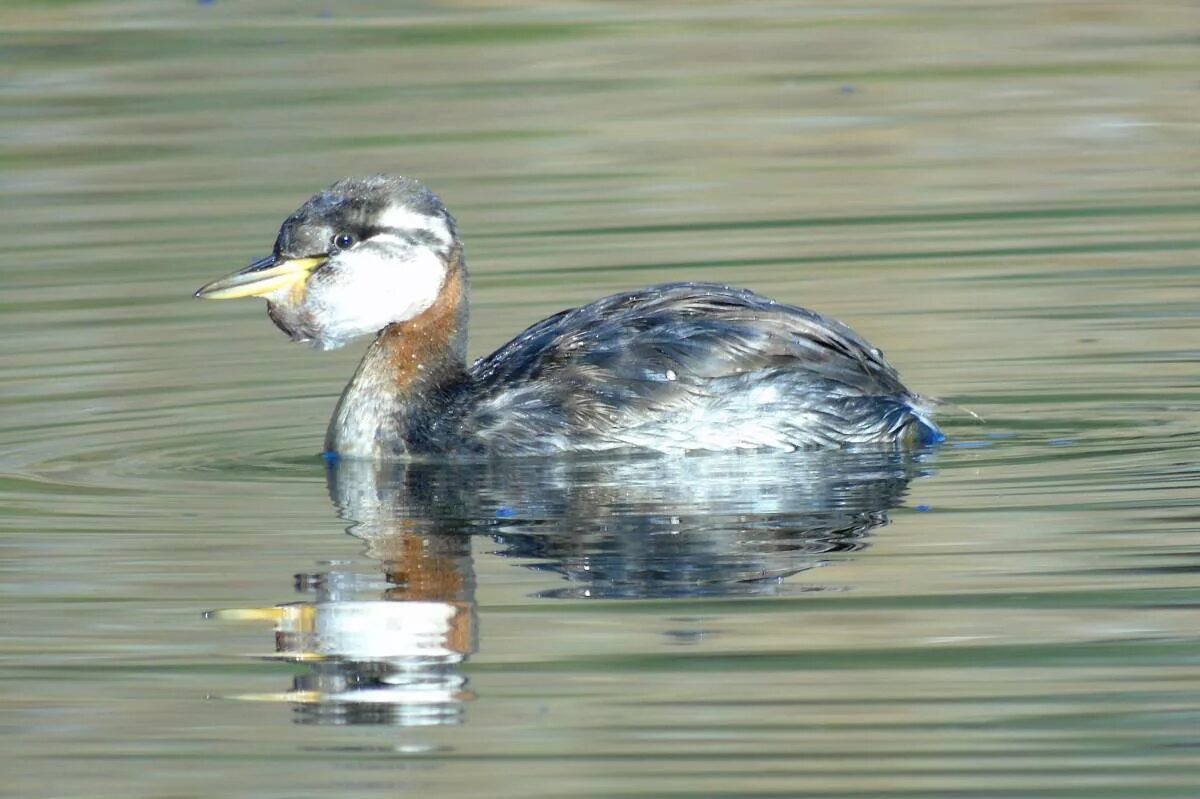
(384, 637)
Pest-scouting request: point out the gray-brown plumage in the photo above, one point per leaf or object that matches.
(676, 367)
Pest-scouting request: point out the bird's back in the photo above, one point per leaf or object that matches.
(687, 366)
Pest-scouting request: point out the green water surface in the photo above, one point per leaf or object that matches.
(1001, 196)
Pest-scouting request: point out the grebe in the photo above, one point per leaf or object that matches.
(671, 368)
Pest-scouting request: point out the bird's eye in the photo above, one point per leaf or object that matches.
(343, 241)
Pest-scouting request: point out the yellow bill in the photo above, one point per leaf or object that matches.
(264, 276)
(248, 614)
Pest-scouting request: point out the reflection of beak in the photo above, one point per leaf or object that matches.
(264, 276)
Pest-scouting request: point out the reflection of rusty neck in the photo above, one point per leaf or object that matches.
(425, 567)
(396, 399)
(432, 568)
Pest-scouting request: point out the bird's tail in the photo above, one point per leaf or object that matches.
(912, 422)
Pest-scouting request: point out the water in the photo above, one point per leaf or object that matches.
(1002, 197)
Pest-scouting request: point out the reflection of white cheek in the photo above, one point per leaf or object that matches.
(365, 292)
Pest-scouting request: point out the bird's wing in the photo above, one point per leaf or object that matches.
(658, 351)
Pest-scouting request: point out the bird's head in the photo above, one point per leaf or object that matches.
(356, 257)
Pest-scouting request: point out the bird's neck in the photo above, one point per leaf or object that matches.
(397, 401)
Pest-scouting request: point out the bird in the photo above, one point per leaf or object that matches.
(671, 368)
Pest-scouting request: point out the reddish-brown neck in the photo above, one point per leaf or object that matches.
(409, 349)
(406, 374)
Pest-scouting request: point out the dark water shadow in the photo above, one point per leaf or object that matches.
(383, 638)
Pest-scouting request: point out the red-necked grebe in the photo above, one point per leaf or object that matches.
(674, 367)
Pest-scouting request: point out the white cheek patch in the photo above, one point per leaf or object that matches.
(366, 290)
(403, 218)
